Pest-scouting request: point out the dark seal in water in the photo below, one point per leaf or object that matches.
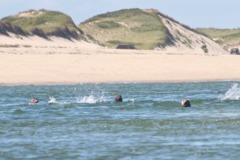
(118, 98)
(186, 103)
(33, 101)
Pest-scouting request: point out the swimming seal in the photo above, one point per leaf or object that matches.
(186, 103)
(33, 101)
(118, 98)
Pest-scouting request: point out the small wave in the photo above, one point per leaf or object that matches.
(232, 94)
(52, 100)
(87, 99)
(132, 101)
(91, 99)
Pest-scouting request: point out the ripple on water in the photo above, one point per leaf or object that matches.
(83, 122)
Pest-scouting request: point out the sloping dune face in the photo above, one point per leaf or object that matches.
(187, 39)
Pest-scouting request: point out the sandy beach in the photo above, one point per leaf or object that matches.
(28, 61)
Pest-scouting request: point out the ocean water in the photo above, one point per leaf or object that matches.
(83, 121)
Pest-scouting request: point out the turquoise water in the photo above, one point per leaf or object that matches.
(83, 122)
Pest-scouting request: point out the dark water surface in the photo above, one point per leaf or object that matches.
(83, 122)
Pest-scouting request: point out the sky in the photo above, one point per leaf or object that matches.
(193, 13)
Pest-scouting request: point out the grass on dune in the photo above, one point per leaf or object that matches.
(130, 26)
(46, 20)
(222, 36)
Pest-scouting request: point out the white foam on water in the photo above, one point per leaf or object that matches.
(92, 98)
(87, 99)
(52, 100)
(132, 101)
(232, 94)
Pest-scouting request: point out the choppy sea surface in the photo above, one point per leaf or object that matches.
(83, 121)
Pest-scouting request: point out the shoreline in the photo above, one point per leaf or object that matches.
(67, 69)
(35, 61)
(119, 82)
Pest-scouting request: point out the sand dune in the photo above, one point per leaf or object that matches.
(188, 40)
(37, 61)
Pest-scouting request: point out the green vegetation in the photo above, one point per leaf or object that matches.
(204, 48)
(222, 36)
(45, 20)
(144, 29)
(107, 24)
